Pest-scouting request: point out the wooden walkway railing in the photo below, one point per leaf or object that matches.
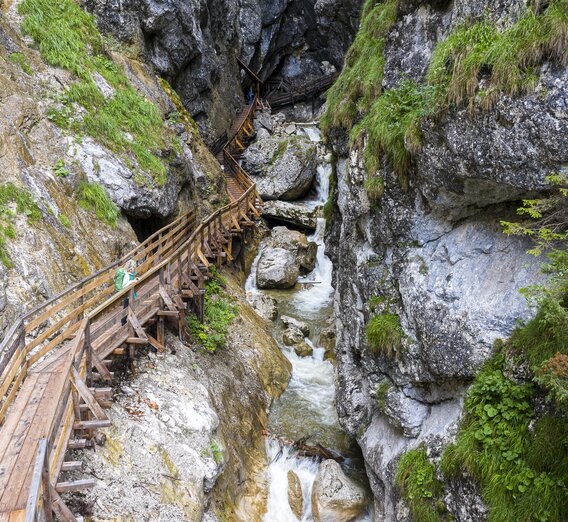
(279, 93)
(55, 358)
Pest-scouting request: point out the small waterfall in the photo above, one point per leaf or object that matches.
(281, 460)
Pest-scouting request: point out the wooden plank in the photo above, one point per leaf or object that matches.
(167, 299)
(86, 395)
(52, 344)
(136, 340)
(168, 313)
(35, 485)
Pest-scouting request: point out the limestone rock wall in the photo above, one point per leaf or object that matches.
(435, 255)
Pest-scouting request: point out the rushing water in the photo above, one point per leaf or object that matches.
(307, 407)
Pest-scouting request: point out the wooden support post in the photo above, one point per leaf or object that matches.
(61, 510)
(88, 353)
(161, 337)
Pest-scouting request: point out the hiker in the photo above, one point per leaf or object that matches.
(250, 96)
(124, 277)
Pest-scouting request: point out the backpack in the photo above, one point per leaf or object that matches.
(118, 279)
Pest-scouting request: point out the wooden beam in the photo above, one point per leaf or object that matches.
(101, 367)
(92, 424)
(155, 343)
(137, 340)
(75, 485)
(167, 299)
(86, 395)
(72, 465)
(77, 444)
(133, 320)
(59, 507)
(168, 313)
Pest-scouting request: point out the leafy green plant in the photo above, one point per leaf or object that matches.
(496, 447)
(384, 333)
(216, 452)
(20, 59)
(60, 170)
(375, 188)
(92, 196)
(416, 478)
(382, 390)
(219, 312)
(126, 122)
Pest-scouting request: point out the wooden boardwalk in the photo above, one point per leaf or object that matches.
(54, 376)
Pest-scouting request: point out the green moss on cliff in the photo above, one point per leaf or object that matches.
(416, 478)
(123, 120)
(390, 120)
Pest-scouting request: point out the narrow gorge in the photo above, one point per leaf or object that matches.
(348, 222)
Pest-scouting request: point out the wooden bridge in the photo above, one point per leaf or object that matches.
(54, 376)
(280, 93)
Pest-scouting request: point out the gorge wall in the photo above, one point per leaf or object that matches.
(194, 44)
(415, 235)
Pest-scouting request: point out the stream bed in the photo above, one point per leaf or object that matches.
(307, 407)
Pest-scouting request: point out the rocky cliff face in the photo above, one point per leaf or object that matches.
(431, 251)
(52, 233)
(194, 45)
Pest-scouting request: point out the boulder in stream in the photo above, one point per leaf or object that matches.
(298, 244)
(290, 322)
(293, 213)
(292, 336)
(303, 349)
(336, 497)
(277, 268)
(282, 168)
(263, 305)
(295, 498)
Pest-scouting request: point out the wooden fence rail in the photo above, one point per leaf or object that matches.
(52, 356)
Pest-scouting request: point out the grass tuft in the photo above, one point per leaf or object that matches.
(92, 196)
(125, 122)
(384, 333)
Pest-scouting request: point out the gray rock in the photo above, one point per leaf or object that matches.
(292, 336)
(292, 213)
(404, 413)
(282, 169)
(264, 305)
(336, 497)
(290, 322)
(297, 243)
(295, 497)
(277, 268)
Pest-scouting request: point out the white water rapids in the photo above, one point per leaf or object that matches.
(307, 407)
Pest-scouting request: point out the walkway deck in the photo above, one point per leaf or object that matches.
(54, 360)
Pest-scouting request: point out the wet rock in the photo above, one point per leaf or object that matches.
(292, 336)
(297, 243)
(327, 341)
(264, 305)
(282, 168)
(295, 214)
(277, 268)
(336, 497)
(404, 412)
(290, 322)
(295, 498)
(303, 349)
